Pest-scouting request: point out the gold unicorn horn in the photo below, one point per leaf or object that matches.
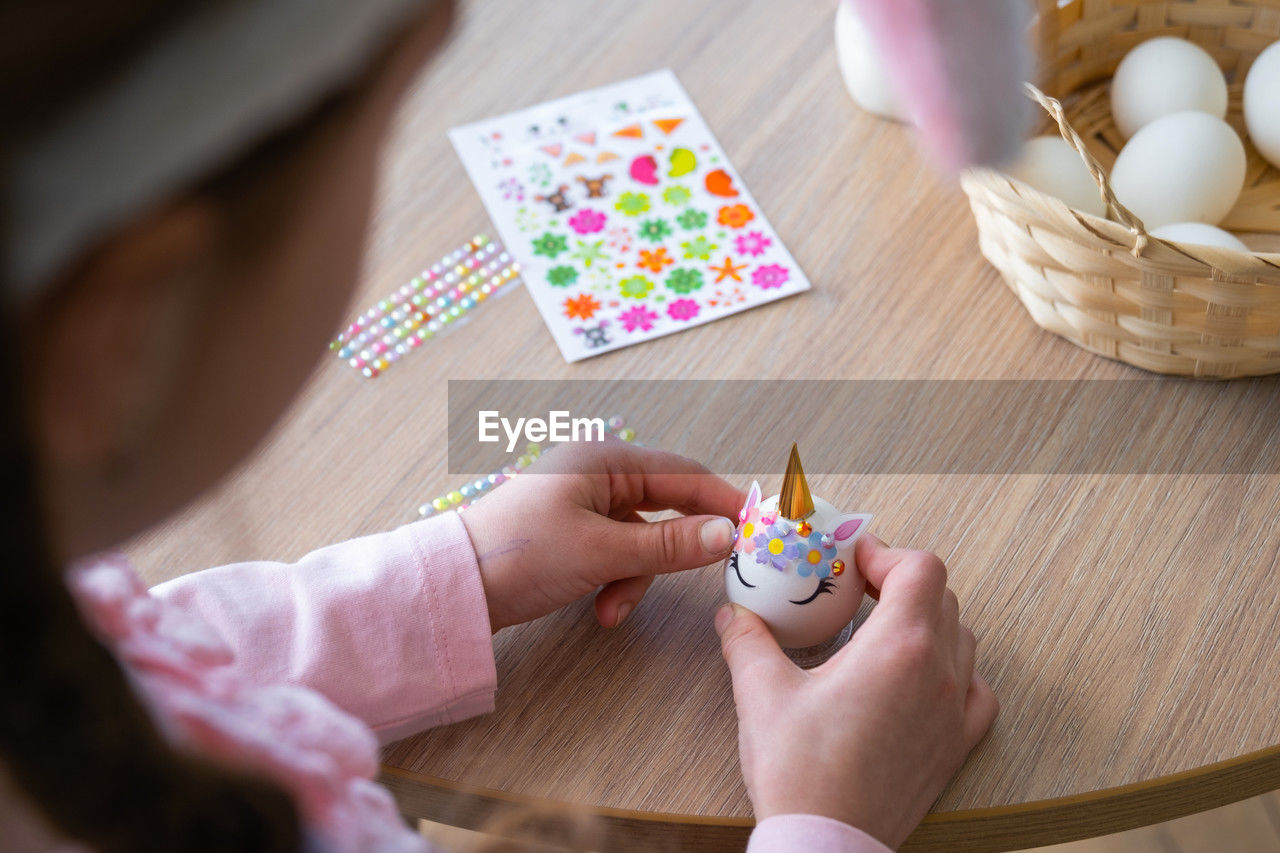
(795, 502)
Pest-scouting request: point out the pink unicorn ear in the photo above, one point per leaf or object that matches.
(753, 498)
(851, 526)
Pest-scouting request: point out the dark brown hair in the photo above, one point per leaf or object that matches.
(74, 737)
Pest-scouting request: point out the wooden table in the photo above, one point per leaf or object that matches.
(1128, 624)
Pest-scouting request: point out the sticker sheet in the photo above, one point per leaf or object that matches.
(627, 219)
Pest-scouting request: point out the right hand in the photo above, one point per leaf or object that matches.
(873, 735)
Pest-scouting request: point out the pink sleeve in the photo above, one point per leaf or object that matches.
(393, 628)
(810, 833)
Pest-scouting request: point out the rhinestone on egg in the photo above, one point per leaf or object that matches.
(837, 567)
(804, 528)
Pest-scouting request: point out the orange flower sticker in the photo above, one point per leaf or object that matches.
(735, 215)
(729, 270)
(581, 307)
(654, 261)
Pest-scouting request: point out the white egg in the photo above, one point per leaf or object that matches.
(1164, 76)
(863, 70)
(1199, 234)
(1185, 167)
(1262, 103)
(1052, 166)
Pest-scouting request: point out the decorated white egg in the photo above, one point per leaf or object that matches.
(1185, 167)
(798, 575)
(1163, 76)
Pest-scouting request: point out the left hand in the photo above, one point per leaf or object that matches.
(569, 525)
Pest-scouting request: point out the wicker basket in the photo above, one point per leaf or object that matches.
(1104, 284)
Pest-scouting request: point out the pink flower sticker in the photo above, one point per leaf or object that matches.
(770, 276)
(683, 309)
(587, 221)
(638, 317)
(753, 243)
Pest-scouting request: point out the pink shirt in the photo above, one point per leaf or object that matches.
(298, 670)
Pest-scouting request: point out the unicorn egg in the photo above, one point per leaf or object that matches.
(792, 562)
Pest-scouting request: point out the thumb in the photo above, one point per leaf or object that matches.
(748, 648)
(676, 544)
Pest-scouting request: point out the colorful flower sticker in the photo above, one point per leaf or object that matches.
(683, 309)
(528, 219)
(636, 287)
(619, 239)
(727, 296)
(771, 544)
(589, 253)
(540, 174)
(735, 215)
(698, 249)
(656, 260)
(676, 196)
(637, 318)
(549, 245)
(561, 276)
(511, 189)
(632, 204)
(727, 270)
(587, 221)
(812, 556)
(599, 279)
(770, 276)
(692, 220)
(581, 307)
(753, 243)
(654, 230)
(684, 280)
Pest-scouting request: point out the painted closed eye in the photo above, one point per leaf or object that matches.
(733, 563)
(824, 585)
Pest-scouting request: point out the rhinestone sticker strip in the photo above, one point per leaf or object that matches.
(465, 495)
(440, 295)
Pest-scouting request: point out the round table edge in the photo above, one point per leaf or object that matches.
(995, 828)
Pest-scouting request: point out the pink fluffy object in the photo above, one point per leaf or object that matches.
(958, 66)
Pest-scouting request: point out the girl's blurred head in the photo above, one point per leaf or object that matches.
(177, 244)
(188, 189)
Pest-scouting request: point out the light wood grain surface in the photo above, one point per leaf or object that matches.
(1128, 624)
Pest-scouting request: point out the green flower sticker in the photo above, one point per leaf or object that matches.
(684, 280)
(561, 276)
(699, 249)
(549, 245)
(528, 219)
(632, 204)
(589, 253)
(676, 196)
(636, 287)
(654, 230)
(692, 220)
(540, 174)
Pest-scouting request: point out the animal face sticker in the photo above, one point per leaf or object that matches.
(798, 576)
